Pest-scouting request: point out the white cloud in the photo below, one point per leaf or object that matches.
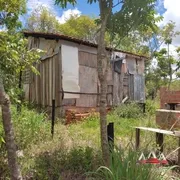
(33, 4)
(67, 14)
(172, 13)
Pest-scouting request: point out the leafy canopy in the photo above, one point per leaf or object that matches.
(10, 11)
(167, 64)
(82, 27)
(15, 57)
(42, 20)
(123, 24)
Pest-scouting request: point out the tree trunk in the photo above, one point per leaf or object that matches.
(102, 62)
(9, 135)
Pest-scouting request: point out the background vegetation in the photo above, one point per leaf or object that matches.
(74, 152)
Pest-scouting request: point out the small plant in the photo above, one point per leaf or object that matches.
(124, 167)
(151, 107)
(30, 127)
(78, 160)
(130, 110)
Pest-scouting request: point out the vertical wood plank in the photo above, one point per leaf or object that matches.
(59, 60)
(57, 79)
(53, 78)
(43, 84)
(49, 100)
(38, 85)
(46, 83)
(33, 87)
(50, 81)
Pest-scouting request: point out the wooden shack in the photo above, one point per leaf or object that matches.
(70, 66)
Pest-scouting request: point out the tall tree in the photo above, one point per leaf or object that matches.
(11, 46)
(9, 13)
(81, 27)
(42, 20)
(14, 58)
(167, 63)
(131, 15)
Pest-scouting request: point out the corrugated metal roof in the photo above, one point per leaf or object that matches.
(72, 39)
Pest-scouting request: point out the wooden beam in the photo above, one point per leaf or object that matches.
(171, 133)
(68, 92)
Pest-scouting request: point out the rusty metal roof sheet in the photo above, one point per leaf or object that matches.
(75, 40)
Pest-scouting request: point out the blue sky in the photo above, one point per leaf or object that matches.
(169, 9)
(81, 6)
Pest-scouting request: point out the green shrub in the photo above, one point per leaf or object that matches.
(30, 127)
(75, 161)
(124, 167)
(130, 110)
(1, 134)
(80, 159)
(151, 107)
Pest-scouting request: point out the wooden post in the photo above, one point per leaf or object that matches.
(137, 138)
(53, 117)
(110, 133)
(159, 140)
(179, 152)
(144, 107)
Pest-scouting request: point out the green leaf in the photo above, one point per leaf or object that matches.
(2, 140)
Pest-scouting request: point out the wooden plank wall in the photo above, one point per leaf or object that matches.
(88, 79)
(47, 85)
(133, 82)
(118, 88)
(126, 85)
(110, 86)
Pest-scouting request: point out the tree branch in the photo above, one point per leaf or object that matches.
(119, 2)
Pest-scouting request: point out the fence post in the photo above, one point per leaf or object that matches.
(53, 117)
(159, 140)
(110, 133)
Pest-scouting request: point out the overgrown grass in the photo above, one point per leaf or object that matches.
(65, 164)
(75, 149)
(124, 166)
(30, 127)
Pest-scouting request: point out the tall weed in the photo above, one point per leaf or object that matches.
(124, 167)
(30, 127)
(130, 110)
(76, 161)
(151, 107)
